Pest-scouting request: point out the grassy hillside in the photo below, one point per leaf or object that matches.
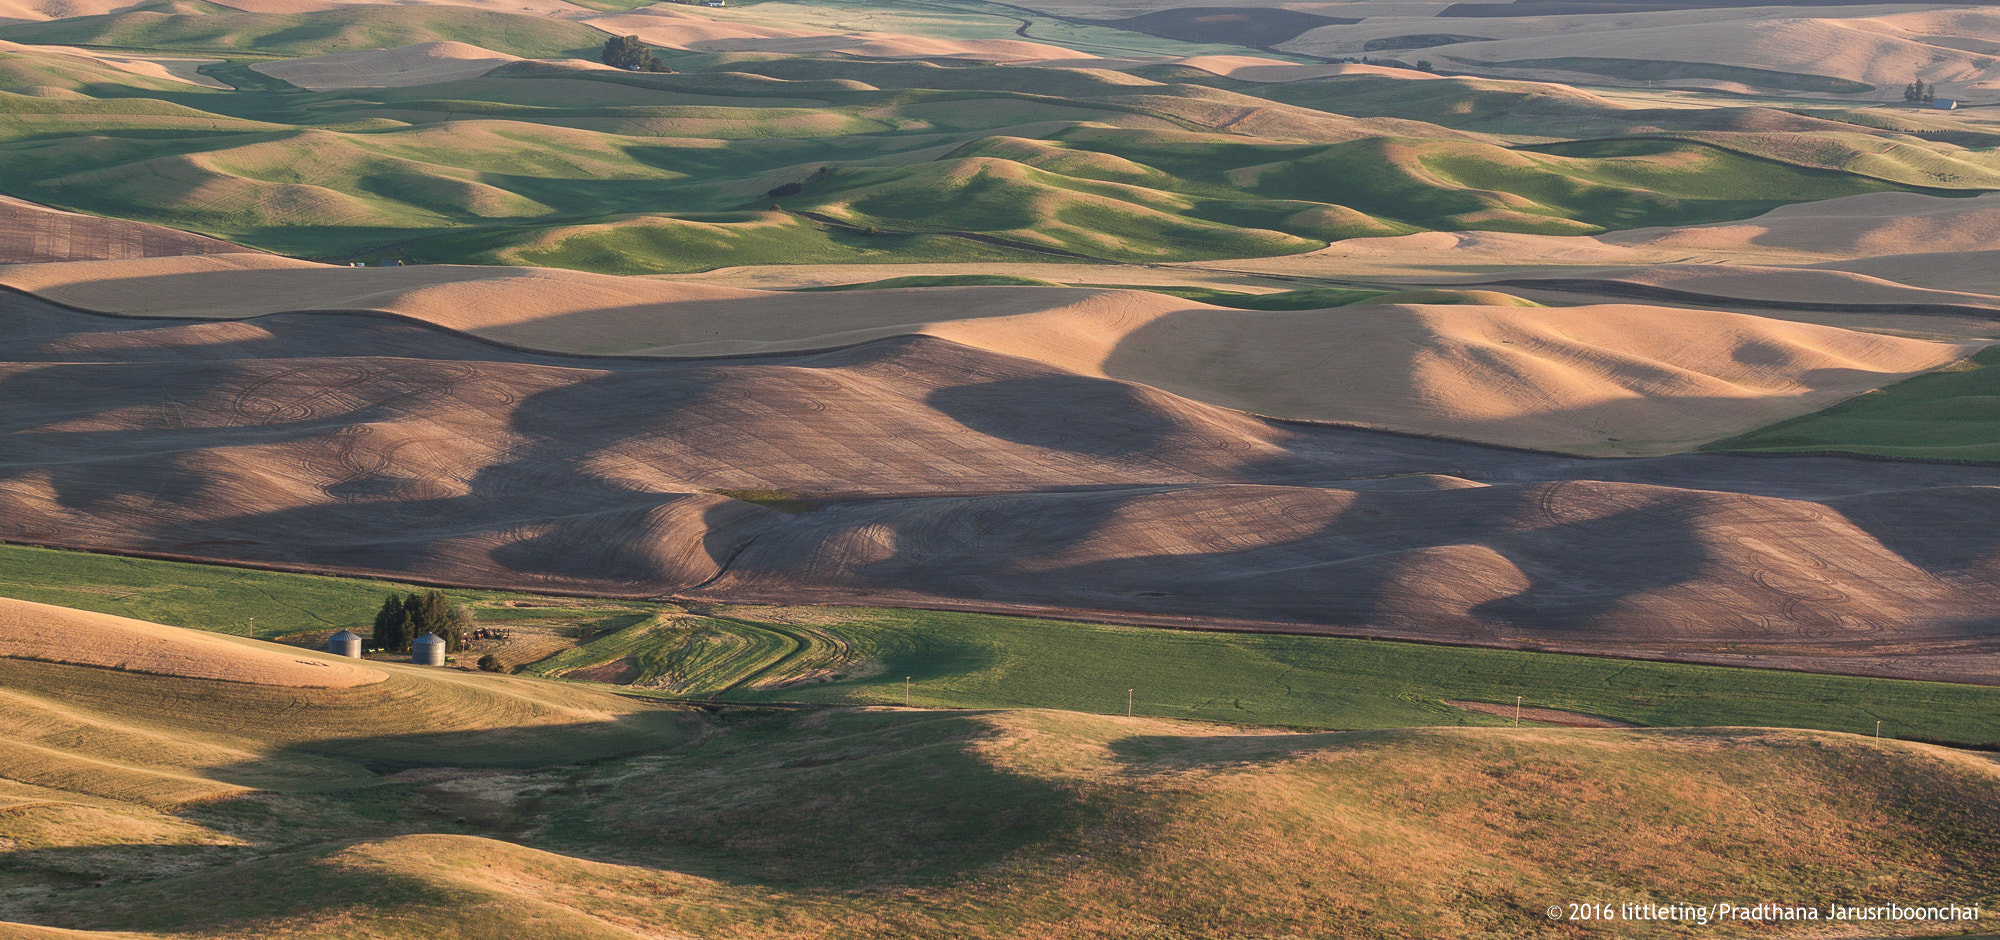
(864, 161)
(959, 660)
(1470, 103)
(1034, 823)
(979, 661)
(196, 26)
(1948, 415)
(41, 73)
(65, 719)
(203, 597)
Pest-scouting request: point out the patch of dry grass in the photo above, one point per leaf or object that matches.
(1053, 824)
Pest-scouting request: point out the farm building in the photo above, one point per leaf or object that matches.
(345, 643)
(1945, 104)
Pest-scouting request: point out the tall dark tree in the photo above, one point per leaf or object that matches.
(406, 631)
(389, 625)
(430, 612)
(631, 54)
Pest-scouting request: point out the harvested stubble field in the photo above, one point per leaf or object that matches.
(948, 474)
(60, 635)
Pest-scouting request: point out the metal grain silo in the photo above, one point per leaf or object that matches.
(428, 650)
(345, 643)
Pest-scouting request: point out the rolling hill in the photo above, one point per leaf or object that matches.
(196, 26)
(1826, 50)
(1597, 379)
(448, 151)
(956, 474)
(1335, 396)
(826, 822)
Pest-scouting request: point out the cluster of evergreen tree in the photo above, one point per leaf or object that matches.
(1919, 93)
(404, 618)
(632, 54)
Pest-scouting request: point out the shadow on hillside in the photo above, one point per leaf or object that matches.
(1459, 564)
(1909, 523)
(515, 748)
(796, 799)
(1586, 572)
(216, 890)
(828, 799)
(1122, 421)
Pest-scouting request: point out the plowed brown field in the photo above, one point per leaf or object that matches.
(958, 476)
(31, 233)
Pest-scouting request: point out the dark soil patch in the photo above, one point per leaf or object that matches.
(1256, 28)
(1546, 716)
(1418, 41)
(616, 672)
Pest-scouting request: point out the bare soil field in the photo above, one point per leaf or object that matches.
(1923, 254)
(421, 64)
(1256, 27)
(31, 233)
(1592, 380)
(950, 475)
(1834, 50)
(1864, 226)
